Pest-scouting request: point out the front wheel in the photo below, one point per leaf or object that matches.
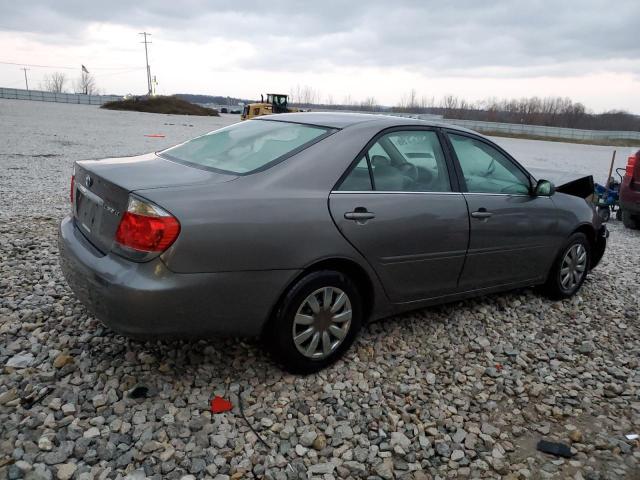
(570, 268)
(604, 213)
(316, 323)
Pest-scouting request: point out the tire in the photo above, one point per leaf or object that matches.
(604, 213)
(325, 327)
(630, 221)
(558, 286)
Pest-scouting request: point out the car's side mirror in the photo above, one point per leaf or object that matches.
(544, 188)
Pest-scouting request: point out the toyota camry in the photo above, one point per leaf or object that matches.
(302, 227)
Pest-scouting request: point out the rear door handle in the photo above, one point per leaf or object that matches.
(360, 215)
(481, 214)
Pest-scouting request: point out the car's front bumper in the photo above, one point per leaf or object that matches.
(600, 245)
(148, 299)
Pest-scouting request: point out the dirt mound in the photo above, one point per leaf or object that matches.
(160, 104)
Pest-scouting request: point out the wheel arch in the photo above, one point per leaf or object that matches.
(588, 230)
(597, 247)
(343, 265)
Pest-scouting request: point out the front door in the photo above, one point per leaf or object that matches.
(512, 231)
(396, 206)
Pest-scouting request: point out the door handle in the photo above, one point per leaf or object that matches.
(481, 214)
(360, 215)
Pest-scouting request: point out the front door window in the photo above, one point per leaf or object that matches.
(487, 170)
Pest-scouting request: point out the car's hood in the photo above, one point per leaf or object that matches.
(575, 184)
(149, 171)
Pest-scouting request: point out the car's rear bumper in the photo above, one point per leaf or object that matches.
(149, 300)
(629, 195)
(631, 204)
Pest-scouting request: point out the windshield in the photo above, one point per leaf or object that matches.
(248, 146)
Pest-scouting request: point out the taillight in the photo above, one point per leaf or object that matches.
(631, 163)
(73, 184)
(146, 227)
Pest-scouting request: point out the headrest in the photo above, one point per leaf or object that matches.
(380, 161)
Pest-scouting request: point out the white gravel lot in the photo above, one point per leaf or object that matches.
(458, 391)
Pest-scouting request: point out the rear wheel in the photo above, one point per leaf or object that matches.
(570, 268)
(630, 221)
(316, 323)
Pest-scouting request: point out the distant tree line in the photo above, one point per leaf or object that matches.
(549, 111)
(56, 82)
(308, 97)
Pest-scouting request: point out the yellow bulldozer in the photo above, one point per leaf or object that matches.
(275, 103)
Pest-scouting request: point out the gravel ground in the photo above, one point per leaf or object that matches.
(459, 391)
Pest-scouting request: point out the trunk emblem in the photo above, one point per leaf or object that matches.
(111, 210)
(88, 181)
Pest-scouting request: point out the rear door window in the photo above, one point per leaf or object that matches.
(359, 179)
(248, 146)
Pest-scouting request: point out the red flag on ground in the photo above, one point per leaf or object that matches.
(219, 405)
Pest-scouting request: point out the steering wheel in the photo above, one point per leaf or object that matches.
(410, 170)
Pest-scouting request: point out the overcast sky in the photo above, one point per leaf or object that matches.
(586, 50)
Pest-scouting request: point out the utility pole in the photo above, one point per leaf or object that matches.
(26, 82)
(146, 54)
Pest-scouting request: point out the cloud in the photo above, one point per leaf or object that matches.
(506, 48)
(513, 38)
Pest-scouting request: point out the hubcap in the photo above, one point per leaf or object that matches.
(322, 322)
(574, 266)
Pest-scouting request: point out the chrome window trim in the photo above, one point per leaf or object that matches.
(378, 192)
(503, 194)
(498, 194)
(382, 192)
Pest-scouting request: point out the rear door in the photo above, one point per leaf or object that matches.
(398, 206)
(512, 232)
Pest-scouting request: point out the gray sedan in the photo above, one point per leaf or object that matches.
(302, 227)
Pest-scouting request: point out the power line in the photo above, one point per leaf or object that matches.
(67, 68)
(37, 66)
(146, 54)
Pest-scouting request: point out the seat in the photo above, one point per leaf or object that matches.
(387, 177)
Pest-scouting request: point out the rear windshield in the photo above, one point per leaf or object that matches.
(247, 146)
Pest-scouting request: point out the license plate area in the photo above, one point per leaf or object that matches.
(88, 210)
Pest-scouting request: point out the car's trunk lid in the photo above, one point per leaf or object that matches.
(102, 188)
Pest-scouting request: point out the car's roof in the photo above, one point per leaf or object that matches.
(344, 120)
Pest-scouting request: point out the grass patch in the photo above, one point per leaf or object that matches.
(613, 142)
(161, 104)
